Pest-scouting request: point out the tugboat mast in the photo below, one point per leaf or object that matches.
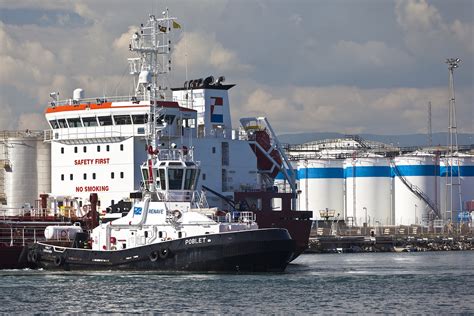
(152, 44)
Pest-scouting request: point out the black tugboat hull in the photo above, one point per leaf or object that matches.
(264, 250)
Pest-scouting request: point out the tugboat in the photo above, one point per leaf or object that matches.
(167, 229)
(169, 226)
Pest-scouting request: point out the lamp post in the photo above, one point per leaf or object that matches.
(365, 210)
(416, 218)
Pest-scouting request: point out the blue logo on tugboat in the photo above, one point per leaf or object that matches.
(137, 210)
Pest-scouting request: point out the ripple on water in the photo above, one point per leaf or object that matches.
(335, 283)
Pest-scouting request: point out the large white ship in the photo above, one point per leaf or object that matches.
(97, 144)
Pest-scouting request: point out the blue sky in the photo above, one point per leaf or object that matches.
(349, 66)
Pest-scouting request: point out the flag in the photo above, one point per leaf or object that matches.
(176, 25)
(162, 28)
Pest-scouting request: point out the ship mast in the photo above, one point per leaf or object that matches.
(152, 44)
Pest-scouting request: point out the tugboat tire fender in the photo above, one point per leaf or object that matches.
(153, 256)
(164, 253)
(33, 256)
(58, 261)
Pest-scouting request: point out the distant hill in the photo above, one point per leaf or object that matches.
(397, 140)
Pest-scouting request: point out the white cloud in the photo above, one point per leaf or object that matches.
(354, 110)
(372, 53)
(427, 31)
(205, 54)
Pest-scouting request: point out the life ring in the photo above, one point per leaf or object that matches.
(63, 233)
(58, 261)
(177, 214)
(153, 256)
(164, 253)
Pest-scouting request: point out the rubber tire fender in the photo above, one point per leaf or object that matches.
(153, 256)
(164, 253)
(33, 256)
(58, 261)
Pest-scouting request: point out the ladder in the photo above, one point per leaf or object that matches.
(415, 190)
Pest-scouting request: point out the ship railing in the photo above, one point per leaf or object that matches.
(96, 132)
(235, 217)
(97, 100)
(175, 154)
(24, 235)
(11, 213)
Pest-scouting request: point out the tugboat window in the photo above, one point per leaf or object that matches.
(189, 179)
(175, 178)
(163, 179)
(145, 177)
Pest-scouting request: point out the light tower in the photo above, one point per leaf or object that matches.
(451, 181)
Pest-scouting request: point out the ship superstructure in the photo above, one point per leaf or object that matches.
(97, 144)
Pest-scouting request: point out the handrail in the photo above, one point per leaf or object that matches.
(416, 190)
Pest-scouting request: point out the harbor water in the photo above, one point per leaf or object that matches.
(428, 282)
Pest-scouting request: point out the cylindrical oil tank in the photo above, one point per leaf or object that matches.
(283, 185)
(416, 187)
(368, 190)
(321, 185)
(455, 192)
(25, 170)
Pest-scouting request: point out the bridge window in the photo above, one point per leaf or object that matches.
(105, 120)
(62, 123)
(54, 124)
(122, 119)
(74, 122)
(139, 119)
(89, 121)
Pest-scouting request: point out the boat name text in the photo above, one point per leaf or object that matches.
(193, 241)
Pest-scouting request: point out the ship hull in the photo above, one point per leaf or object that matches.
(263, 250)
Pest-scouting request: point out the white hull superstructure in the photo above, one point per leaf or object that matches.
(97, 144)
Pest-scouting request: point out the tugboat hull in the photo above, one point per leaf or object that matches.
(263, 250)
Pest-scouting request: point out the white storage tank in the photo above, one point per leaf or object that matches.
(466, 169)
(368, 190)
(25, 171)
(283, 186)
(321, 185)
(416, 187)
